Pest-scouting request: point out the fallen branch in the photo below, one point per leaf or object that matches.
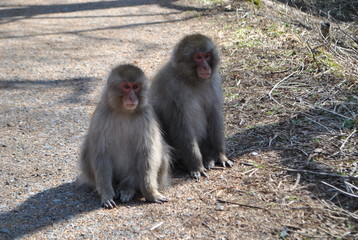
(319, 173)
(324, 109)
(340, 190)
(239, 204)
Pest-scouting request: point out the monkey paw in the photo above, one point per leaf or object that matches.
(109, 203)
(197, 175)
(228, 162)
(224, 161)
(126, 195)
(161, 199)
(209, 164)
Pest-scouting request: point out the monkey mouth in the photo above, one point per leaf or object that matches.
(204, 75)
(131, 106)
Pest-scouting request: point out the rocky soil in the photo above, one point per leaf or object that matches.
(290, 109)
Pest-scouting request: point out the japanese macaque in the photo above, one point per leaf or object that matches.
(187, 97)
(124, 146)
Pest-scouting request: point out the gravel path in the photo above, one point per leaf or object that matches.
(54, 59)
(55, 56)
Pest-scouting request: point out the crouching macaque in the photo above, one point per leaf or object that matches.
(187, 97)
(124, 146)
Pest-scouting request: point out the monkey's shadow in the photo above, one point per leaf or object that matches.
(46, 208)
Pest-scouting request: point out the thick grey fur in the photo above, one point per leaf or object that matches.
(124, 147)
(190, 108)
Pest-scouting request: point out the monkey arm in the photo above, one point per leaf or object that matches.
(216, 138)
(216, 129)
(103, 174)
(182, 137)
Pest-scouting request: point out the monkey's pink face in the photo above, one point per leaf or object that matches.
(131, 92)
(202, 61)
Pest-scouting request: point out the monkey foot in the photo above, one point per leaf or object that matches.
(209, 164)
(126, 195)
(161, 199)
(156, 198)
(109, 204)
(228, 162)
(197, 175)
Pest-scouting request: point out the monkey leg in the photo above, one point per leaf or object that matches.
(163, 173)
(149, 189)
(126, 195)
(190, 155)
(208, 158)
(215, 143)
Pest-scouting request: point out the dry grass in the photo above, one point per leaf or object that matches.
(295, 93)
(290, 108)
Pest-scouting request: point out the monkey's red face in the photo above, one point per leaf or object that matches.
(131, 92)
(202, 61)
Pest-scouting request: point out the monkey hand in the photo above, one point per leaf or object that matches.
(197, 174)
(108, 203)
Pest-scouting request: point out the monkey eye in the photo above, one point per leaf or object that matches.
(135, 86)
(198, 57)
(126, 86)
(207, 56)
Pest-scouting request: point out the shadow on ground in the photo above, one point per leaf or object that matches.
(46, 208)
(79, 86)
(343, 10)
(303, 146)
(16, 12)
(13, 13)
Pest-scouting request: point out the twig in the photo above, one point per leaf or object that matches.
(281, 81)
(239, 204)
(327, 110)
(156, 226)
(344, 192)
(297, 182)
(313, 55)
(319, 173)
(207, 225)
(345, 141)
(253, 172)
(329, 130)
(272, 139)
(351, 185)
(247, 164)
(337, 210)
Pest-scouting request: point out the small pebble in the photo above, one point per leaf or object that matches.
(5, 230)
(219, 207)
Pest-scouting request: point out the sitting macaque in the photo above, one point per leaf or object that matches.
(124, 146)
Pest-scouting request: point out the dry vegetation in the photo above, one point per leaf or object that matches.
(291, 105)
(294, 92)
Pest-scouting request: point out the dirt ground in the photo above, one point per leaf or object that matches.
(291, 110)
